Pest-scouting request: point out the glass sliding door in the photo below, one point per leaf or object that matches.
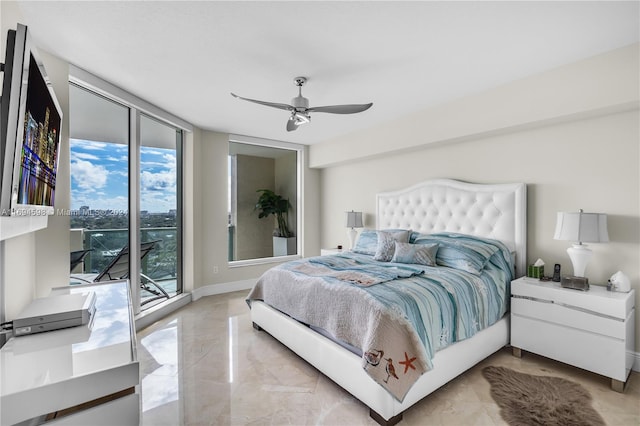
(99, 216)
(122, 162)
(160, 212)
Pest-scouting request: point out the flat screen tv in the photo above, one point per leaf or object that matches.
(30, 123)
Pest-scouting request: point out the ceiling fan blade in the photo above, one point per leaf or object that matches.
(341, 109)
(269, 104)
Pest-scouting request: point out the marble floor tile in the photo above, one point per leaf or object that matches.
(206, 365)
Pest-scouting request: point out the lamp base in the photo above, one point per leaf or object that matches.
(580, 255)
(352, 233)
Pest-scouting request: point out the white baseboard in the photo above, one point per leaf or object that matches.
(159, 311)
(210, 290)
(636, 361)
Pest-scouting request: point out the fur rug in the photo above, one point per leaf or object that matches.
(538, 400)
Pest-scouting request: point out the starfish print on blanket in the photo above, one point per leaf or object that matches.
(408, 363)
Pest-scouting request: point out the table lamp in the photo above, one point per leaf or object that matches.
(581, 228)
(354, 220)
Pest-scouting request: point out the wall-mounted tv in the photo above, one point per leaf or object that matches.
(30, 122)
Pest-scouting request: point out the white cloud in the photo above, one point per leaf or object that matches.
(162, 181)
(83, 156)
(99, 201)
(88, 176)
(157, 201)
(88, 145)
(152, 151)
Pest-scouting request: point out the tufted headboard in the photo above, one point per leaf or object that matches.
(493, 211)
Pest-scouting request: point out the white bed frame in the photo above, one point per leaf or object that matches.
(493, 211)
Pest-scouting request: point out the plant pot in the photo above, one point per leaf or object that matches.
(284, 246)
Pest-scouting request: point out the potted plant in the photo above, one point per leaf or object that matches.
(269, 203)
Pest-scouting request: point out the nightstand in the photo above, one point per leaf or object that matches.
(592, 330)
(328, 251)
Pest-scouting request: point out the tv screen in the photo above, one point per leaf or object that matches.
(32, 133)
(40, 141)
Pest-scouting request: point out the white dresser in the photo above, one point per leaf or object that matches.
(76, 376)
(593, 330)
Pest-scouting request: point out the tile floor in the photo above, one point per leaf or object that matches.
(206, 365)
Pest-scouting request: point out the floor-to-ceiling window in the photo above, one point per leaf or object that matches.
(160, 200)
(125, 176)
(99, 155)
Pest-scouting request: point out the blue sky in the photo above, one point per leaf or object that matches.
(99, 176)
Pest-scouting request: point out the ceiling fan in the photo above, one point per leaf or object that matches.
(300, 111)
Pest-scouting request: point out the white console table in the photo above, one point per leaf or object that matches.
(78, 375)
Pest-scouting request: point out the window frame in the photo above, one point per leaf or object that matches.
(299, 231)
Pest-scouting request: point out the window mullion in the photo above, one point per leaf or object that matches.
(134, 207)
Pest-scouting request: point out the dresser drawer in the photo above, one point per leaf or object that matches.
(594, 352)
(597, 299)
(570, 317)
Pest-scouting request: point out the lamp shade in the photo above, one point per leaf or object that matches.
(582, 227)
(354, 219)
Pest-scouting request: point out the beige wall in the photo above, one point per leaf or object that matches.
(588, 158)
(599, 85)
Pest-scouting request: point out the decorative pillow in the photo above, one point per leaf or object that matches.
(387, 243)
(367, 242)
(423, 254)
(461, 251)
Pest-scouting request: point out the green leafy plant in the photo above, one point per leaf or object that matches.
(271, 203)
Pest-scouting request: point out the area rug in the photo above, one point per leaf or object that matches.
(539, 400)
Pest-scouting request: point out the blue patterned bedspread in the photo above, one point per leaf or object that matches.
(399, 315)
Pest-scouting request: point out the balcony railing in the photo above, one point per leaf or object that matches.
(161, 264)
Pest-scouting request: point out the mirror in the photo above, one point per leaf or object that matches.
(254, 168)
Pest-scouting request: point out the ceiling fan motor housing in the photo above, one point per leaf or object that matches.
(300, 102)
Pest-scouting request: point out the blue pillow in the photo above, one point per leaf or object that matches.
(422, 254)
(367, 242)
(460, 251)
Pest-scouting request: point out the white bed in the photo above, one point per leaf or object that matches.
(492, 211)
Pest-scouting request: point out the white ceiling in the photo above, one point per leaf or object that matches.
(186, 57)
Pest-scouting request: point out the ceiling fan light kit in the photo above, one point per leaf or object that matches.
(300, 110)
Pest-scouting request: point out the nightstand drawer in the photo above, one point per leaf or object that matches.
(594, 352)
(568, 316)
(597, 299)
